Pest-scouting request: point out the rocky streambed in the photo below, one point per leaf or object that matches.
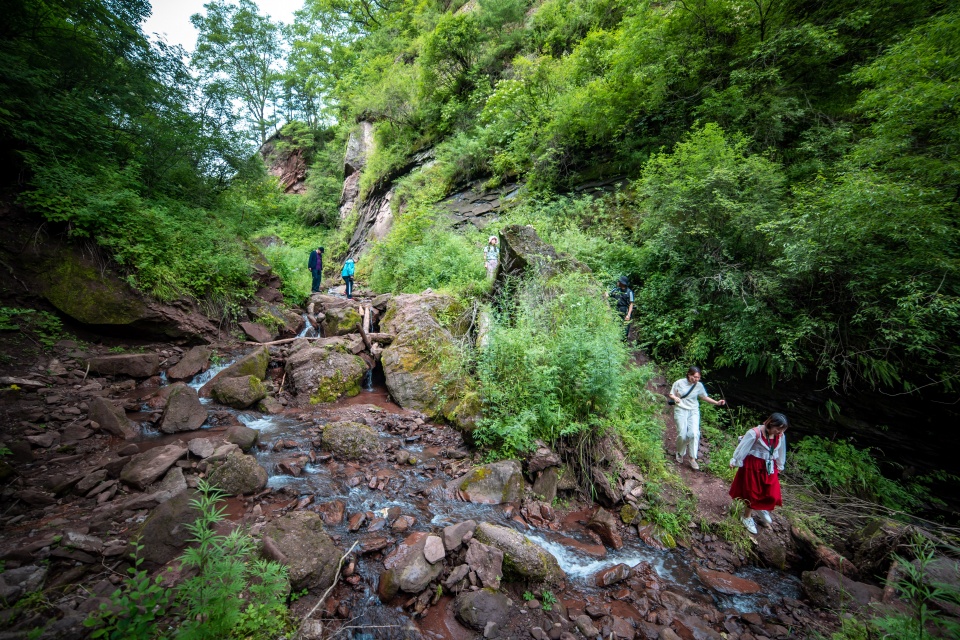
(106, 449)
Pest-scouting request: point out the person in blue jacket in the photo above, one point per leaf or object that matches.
(347, 274)
(315, 264)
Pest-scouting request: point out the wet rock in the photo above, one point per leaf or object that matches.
(613, 575)
(456, 575)
(586, 626)
(242, 436)
(546, 483)
(325, 373)
(433, 549)
(312, 556)
(270, 406)
(201, 447)
(604, 524)
(164, 534)
(134, 365)
(253, 364)
(690, 626)
(521, 557)
(476, 609)
(487, 562)
(829, 589)
(240, 392)
(454, 534)
(542, 458)
(410, 568)
(341, 321)
(146, 468)
(726, 583)
(332, 512)
(351, 440)
(238, 474)
(356, 521)
(184, 411)
(629, 514)
(257, 332)
(196, 360)
(494, 483)
(606, 491)
(111, 418)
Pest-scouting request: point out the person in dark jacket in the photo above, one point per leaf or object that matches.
(315, 264)
(622, 296)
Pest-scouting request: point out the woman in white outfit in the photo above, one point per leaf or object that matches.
(686, 394)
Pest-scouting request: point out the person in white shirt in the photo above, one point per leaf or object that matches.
(491, 256)
(686, 394)
(759, 459)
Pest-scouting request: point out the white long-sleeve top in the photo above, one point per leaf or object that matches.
(751, 445)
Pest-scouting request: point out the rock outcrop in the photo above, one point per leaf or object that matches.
(522, 251)
(253, 364)
(350, 440)
(285, 162)
(522, 559)
(325, 372)
(493, 483)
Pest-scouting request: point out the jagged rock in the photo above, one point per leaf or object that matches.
(411, 363)
(542, 458)
(612, 575)
(607, 492)
(15, 583)
(202, 447)
(172, 484)
(828, 589)
(408, 567)
(90, 480)
(82, 541)
(341, 321)
(454, 534)
(286, 162)
(477, 609)
(111, 418)
(194, 361)
(586, 626)
(726, 583)
(521, 557)
(350, 440)
(312, 556)
(359, 145)
(875, 544)
(184, 412)
(134, 365)
(522, 251)
(487, 562)
(546, 483)
(242, 436)
(270, 405)
(257, 332)
(604, 524)
(490, 484)
(146, 468)
(240, 392)
(44, 440)
(164, 534)
(433, 549)
(238, 474)
(253, 364)
(324, 373)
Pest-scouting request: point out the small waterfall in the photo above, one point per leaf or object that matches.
(367, 384)
(309, 331)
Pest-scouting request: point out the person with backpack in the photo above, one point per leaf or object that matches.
(347, 274)
(315, 264)
(759, 459)
(622, 296)
(685, 395)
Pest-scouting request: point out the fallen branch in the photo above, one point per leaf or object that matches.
(336, 578)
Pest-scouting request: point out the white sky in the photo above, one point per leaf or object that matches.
(171, 18)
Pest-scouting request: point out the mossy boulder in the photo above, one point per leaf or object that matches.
(493, 483)
(341, 321)
(238, 474)
(325, 373)
(254, 364)
(242, 436)
(522, 559)
(828, 589)
(422, 364)
(351, 440)
(312, 557)
(239, 393)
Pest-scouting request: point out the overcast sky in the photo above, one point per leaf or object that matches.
(171, 18)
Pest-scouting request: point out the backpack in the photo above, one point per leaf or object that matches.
(347, 269)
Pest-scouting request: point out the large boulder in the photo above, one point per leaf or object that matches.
(341, 321)
(477, 609)
(408, 568)
(242, 436)
(111, 418)
(522, 559)
(426, 327)
(257, 332)
(494, 483)
(254, 364)
(184, 412)
(828, 589)
(134, 365)
(164, 534)
(146, 468)
(310, 554)
(522, 252)
(350, 440)
(239, 393)
(195, 361)
(325, 373)
(238, 474)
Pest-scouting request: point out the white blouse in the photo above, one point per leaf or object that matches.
(751, 445)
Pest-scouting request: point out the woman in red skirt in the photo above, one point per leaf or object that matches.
(760, 457)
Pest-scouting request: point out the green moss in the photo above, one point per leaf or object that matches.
(105, 300)
(475, 476)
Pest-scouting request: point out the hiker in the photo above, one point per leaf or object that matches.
(760, 457)
(686, 394)
(347, 274)
(622, 295)
(491, 256)
(315, 264)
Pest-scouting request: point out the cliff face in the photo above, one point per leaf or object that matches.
(286, 162)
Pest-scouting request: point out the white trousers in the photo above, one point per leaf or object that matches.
(688, 430)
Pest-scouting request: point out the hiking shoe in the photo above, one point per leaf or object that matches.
(750, 525)
(766, 517)
(694, 465)
(679, 457)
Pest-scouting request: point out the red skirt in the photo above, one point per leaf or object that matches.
(753, 484)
